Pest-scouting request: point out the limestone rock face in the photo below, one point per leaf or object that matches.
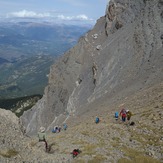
(129, 59)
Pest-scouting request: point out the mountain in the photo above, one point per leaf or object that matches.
(126, 46)
(118, 64)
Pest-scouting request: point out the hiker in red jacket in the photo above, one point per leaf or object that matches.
(123, 114)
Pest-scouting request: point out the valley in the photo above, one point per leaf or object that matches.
(27, 50)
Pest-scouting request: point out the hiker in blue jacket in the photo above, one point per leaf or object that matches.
(65, 126)
(116, 116)
(97, 120)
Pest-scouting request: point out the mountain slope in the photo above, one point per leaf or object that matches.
(108, 141)
(126, 46)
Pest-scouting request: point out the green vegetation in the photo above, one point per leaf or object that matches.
(89, 149)
(135, 156)
(140, 159)
(9, 153)
(25, 77)
(27, 50)
(97, 159)
(19, 105)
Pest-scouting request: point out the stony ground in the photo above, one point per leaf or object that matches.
(109, 141)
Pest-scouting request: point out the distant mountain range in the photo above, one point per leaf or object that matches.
(30, 38)
(27, 50)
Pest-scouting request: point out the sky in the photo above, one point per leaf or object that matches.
(79, 10)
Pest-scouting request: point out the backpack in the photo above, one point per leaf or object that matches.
(132, 123)
(75, 152)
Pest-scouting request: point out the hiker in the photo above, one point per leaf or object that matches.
(94, 70)
(65, 126)
(123, 115)
(116, 115)
(129, 114)
(55, 130)
(75, 152)
(59, 129)
(97, 120)
(42, 137)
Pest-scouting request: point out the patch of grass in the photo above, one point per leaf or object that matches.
(101, 143)
(79, 161)
(146, 113)
(115, 144)
(147, 139)
(58, 136)
(142, 159)
(9, 153)
(97, 159)
(88, 149)
(124, 160)
(136, 156)
(148, 127)
(117, 139)
(81, 142)
(33, 143)
(85, 133)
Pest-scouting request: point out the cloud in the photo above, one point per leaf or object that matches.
(78, 17)
(32, 14)
(25, 13)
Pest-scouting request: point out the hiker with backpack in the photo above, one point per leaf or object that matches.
(75, 152)
(65, 126)
(42, 137)
(123, 115)
(128, 114)
(56, 129)
(116, 115)
(97, 120)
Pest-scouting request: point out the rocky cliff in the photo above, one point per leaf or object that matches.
(121, 56)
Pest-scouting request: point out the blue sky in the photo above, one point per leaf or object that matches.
(84, 10)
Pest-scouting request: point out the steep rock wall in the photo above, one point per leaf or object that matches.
(126, 47)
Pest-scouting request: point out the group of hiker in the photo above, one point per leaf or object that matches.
(124, 114)
(57, 129)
